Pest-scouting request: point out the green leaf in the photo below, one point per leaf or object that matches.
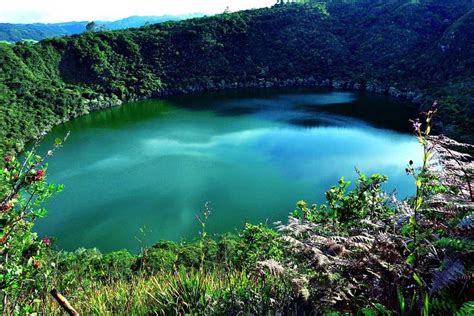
(40, 213)
(426, 305)
(417, 279)
(418, 183)
(419, 201)
(466, 309)
(410, 259)
(428, 130)
(401, 302)
(368, 312)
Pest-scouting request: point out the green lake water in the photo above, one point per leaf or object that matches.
(252, 154)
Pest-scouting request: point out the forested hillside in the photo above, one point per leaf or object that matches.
(419, 51)
(11, 32)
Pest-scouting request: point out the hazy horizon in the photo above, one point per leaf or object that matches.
(110, 20)
(57, 11)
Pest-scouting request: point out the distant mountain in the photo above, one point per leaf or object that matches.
(37, 31)
(137, 21)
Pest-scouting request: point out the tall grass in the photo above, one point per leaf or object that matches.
(184, 291)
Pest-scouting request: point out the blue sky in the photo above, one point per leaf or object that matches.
(51, 11)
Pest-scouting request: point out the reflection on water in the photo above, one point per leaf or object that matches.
(252, 154)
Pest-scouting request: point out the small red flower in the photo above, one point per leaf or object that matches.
(39, 175)
(6, 206)
(8, 159)
(3, 240)
(46, 241)
(36, 264)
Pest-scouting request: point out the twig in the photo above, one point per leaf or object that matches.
(64, 303)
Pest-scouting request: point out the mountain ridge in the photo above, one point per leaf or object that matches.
(14, 32)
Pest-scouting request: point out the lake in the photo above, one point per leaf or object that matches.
(252, 154)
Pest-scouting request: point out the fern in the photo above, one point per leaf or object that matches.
(467, 222)
(456, 244)
(361, 239)
(466, 309)
(452, 271)
(443, 305)
(381, 309)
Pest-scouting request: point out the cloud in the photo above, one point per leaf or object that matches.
(51, 11)
(19, 16)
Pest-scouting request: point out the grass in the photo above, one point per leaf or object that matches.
(184, 291)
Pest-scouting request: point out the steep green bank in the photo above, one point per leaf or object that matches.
(413, 50)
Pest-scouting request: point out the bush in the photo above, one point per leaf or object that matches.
(25, 268)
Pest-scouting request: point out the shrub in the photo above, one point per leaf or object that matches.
(25, 268)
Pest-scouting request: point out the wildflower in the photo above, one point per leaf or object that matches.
(46, 241)
(6, 206)
(435, 104)
(3, 240)
(8, 162)
(39, 175)
(36, 264)
(416, 126)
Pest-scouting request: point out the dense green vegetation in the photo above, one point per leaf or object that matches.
(413, 50)
(361, 252)
(11, 32)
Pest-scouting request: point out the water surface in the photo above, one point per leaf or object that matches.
(252, 154)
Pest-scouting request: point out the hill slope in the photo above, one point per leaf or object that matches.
(11, 32)
(399, 48)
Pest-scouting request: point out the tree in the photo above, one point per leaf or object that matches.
(91, 26)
